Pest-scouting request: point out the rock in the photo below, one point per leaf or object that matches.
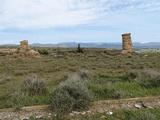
(71, 114)
(83, 113)
(50, 114)
(76, 113)
(39, 117)
(109, 113)
(138, 106)
(150, 107)
(89, 112)
(25, 118)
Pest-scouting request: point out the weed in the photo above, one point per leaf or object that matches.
(33, 86)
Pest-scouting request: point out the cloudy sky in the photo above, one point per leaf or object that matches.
(54, 21)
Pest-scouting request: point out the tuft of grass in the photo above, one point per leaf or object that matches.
(4, 78)
(32, 91)
(18, 99)
(33, 86)
(106, 91)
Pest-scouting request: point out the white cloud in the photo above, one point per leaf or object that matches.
(43, 13)
(54, 13)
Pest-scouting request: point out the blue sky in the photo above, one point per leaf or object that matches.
(54, 21)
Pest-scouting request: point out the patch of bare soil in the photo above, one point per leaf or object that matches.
(40, 112)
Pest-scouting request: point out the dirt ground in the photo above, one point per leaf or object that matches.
(41, 112)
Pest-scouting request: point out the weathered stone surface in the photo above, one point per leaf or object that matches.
(24, 44)
(25, 51)
(22, 51)
(127, 43)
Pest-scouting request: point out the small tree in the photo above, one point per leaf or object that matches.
(79, 49)
(43, 51)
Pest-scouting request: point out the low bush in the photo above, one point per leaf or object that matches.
(43, 51)
(150, 82)
(150, 79)
(69, 96)
(33, 86)
(130, 76)
(146, 78)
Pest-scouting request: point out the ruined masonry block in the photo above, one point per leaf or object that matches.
(25, 51)
(127, 43)
(24, 44)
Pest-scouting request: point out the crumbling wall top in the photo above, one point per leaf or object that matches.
(24, 44)
(126, 34)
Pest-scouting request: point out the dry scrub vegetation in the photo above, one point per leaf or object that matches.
(65, 76)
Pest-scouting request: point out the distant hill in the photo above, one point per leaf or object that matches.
(100, 45)
(92, 45)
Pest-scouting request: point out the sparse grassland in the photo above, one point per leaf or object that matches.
(113, 76)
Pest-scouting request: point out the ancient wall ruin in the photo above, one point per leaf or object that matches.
(22, 51)
(25, 51)
(127, 46)
(24, 44)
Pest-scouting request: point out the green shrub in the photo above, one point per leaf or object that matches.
(150, 79)
(84, 74)
(33, 86)
(43, 51)
(150, 82)
(130, 76)
(70, 95)
(79, 49)
(146, 78)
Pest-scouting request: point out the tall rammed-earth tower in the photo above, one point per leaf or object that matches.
(127, 43)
